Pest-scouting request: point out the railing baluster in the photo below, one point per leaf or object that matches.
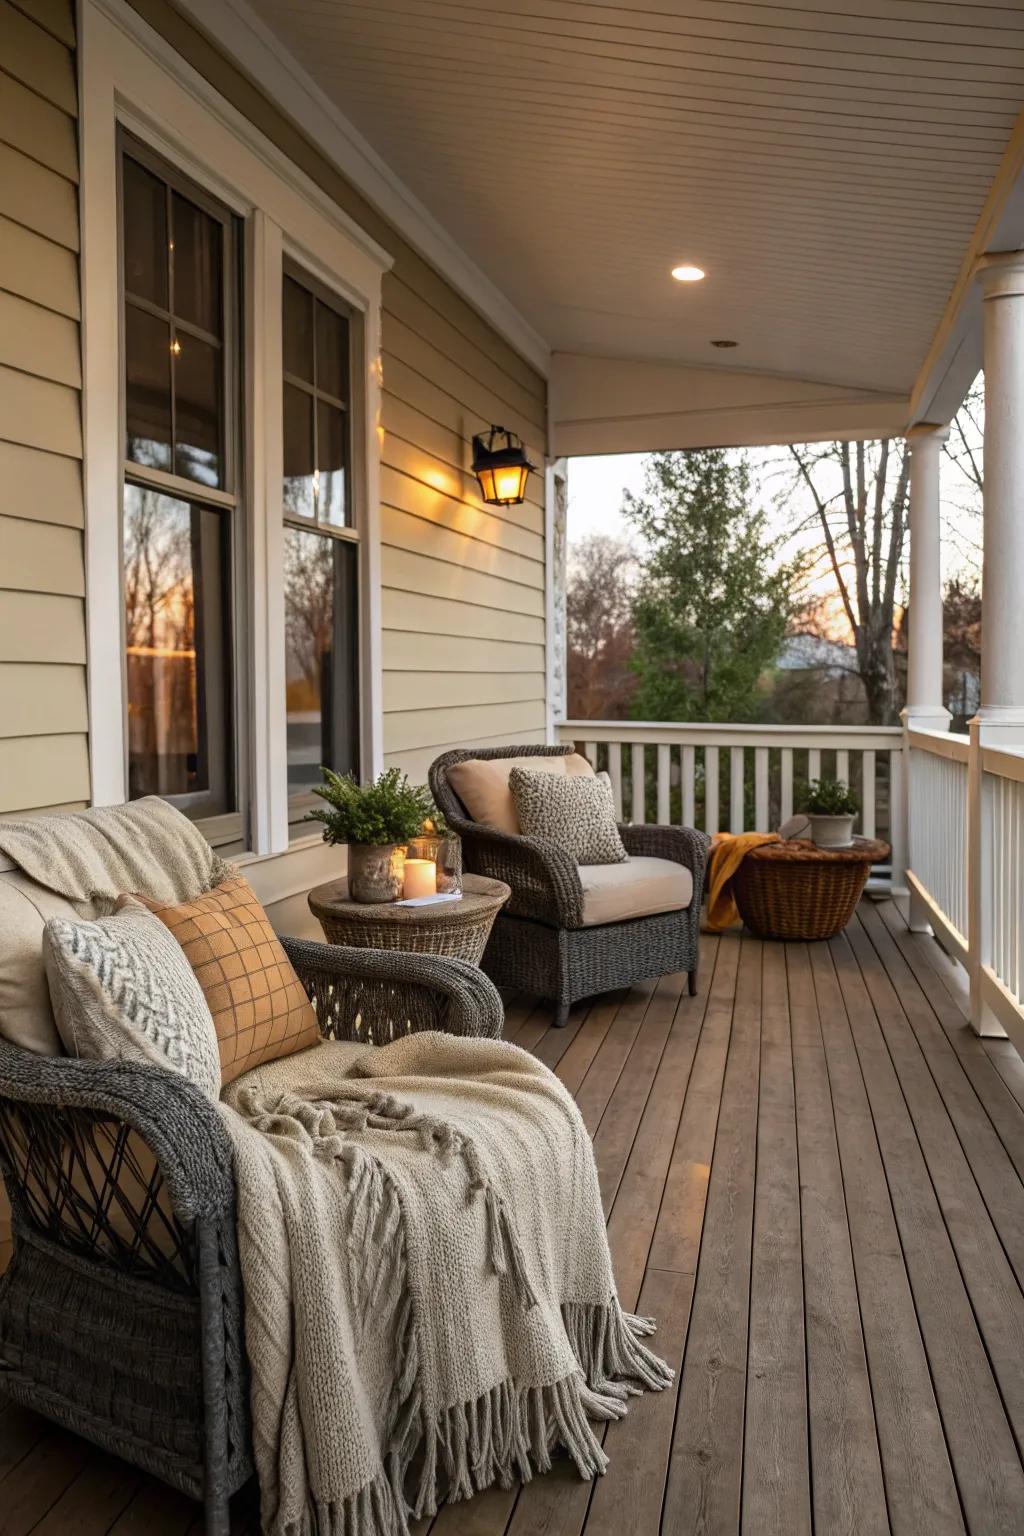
(637, 759)
(737, 809)
(615, 774)
(664, 783)
(711, 789)
(867, 823)
(780, 756)
(786, 784)
(688, 773)
(761, 789)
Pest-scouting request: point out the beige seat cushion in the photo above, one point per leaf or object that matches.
(26, 1016)
(614, 892)
(481, 783)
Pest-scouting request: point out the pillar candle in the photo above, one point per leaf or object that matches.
(420, 878)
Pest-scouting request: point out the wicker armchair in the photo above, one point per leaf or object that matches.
(121, 1308)
(539, 942)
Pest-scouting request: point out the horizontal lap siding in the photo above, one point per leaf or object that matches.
(43, 719)
(462, 601)
(463, 608)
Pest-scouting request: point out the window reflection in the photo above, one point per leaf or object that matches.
(175, 558)
(320, 656)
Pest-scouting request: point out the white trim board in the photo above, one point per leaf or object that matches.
(603, 405)
(245, 39)
(129, 75)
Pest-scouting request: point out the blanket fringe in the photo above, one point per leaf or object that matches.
(508, 1433)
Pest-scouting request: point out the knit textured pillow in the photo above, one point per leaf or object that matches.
(121, 987)
(259, 1006)
(577, 814)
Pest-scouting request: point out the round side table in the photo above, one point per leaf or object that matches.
(459, 929)
(795, 890)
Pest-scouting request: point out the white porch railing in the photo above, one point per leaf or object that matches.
(747, 777)
(938, 816)
(966, 873)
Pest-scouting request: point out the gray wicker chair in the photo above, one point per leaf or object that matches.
(121, 1308)
(539, 944)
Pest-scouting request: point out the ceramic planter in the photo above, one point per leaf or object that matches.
(375, 873)
(831, 831)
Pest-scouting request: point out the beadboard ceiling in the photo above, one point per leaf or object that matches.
(826, 164)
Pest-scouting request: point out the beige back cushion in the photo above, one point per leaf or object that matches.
(26, 1017)
(481, 783)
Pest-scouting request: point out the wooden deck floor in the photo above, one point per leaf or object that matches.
(813, 1178)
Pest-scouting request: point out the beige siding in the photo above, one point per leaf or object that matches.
(43, 723)
(463, 585)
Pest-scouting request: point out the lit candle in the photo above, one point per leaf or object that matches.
(420, 878)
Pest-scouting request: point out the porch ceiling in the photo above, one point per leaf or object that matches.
(826, 165)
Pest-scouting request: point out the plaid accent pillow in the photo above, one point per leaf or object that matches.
(259, 1006)
(577, 814)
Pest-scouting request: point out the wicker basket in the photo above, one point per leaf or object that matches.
(797, 891)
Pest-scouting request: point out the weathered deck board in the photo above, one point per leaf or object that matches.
(812, 1174)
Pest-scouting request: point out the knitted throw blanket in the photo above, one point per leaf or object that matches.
(429, 1300)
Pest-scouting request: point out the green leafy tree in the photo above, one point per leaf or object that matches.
(712, 602)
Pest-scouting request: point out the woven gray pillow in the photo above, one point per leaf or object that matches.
(577, 814)
(121, 987)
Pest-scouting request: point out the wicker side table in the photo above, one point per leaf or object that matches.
(459, 929)
(795, 890)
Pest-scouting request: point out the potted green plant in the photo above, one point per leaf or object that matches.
(376, 821)
(831, 806)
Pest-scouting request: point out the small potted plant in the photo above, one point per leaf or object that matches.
(831, 806)
(376, 821)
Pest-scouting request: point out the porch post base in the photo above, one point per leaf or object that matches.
(983, 1021)
(926, 717)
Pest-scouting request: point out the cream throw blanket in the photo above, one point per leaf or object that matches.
(146, 845)
(429, 1300)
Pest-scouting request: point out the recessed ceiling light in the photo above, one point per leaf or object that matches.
(725, 343)
(687, 274)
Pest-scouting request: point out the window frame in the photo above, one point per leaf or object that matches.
(223, 828)
(132, 80)
(351, 531)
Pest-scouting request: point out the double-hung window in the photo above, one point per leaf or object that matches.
(182, 531)
(321, 549)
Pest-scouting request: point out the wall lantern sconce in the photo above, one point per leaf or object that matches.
(501, 466)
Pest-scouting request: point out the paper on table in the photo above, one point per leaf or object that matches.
(429, 901)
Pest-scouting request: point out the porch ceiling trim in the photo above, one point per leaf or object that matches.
(245, 39)
(618, 405)
(954, 358)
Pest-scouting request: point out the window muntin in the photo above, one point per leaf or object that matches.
(316, 406)
(321, 552)
(182, 539)
(176, 270)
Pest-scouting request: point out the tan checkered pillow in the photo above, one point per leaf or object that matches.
(259, 1005)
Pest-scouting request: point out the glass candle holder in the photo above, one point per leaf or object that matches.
(445, 850)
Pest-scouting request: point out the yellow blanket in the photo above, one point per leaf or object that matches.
(727, 854)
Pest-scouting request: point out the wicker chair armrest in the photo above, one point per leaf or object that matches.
(683, 845)
(180, 1126)
(544, 879)
(385, 992)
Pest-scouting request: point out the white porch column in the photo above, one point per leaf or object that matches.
(925, 708)
(1000, 718)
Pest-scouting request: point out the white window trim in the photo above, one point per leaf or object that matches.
(130, 76)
